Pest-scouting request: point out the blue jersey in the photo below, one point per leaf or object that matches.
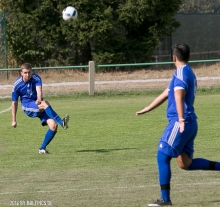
(183, 78)
(26, 90)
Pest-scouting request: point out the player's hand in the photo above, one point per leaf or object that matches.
(182, 126)
(14, 124)
(38, 102)
(143, 111)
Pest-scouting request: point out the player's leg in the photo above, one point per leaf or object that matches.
(164, 157)
(185, 159)
(203, 164)
(49, 135)
(171, 145)
(164, 169)
(32, 110)
(44, 105)
(187, 163)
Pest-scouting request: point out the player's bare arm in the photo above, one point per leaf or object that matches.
(14, 108)
(39, 95)
(157, 102)
(42, 105)
(179, 98)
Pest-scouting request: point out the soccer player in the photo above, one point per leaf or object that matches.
(28, 87)
(177, 140)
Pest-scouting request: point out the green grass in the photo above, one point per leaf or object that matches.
(106, 158)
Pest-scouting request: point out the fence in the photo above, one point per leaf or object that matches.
(3, 43)
(199, 30)
(91, 66)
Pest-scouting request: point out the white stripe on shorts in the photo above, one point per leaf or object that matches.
(30, 109)
(173, 133)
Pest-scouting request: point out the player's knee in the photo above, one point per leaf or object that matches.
(45, 104)
(53, 126)
(184, 161)
(183, 166)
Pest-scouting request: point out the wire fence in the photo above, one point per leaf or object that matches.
(200, 31)
(71, 80)
(3, 43)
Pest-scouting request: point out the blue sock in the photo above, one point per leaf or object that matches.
(53, 115)
(47, 139)
(203, 164)
(163, 161)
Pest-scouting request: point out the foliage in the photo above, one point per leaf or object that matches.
(34, 33)
(107, 31)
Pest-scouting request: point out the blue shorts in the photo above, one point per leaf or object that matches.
(174, 143)
(31, 109)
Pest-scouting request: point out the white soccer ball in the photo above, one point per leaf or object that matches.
(70, 13)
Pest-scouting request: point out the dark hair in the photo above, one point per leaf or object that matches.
(26, 66)
(182, 52)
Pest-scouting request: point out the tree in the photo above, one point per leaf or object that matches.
(107, 31)
(34, 33)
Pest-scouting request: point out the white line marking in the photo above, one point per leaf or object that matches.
(95, 189)
(1, 112)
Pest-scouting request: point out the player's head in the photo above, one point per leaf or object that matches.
(181, 52)
(26, 71)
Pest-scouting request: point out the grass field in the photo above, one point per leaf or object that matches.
(106, 158)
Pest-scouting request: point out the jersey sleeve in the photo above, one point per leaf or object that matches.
(14, 94)
(38, 79)
(180, 81)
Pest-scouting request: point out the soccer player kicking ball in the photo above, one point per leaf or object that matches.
(28, 87)
(177, 140)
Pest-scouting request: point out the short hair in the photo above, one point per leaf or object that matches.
(182, 52)
(26, 66)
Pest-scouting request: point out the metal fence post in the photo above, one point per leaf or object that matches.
(5, 42)
(91, 78)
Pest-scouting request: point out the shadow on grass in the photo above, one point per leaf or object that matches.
(105, 150)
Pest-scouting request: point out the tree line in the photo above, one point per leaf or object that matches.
(106, 31)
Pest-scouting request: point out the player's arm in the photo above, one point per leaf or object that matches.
(14, 108)
(157, 102)
(39, 94)
(179, 98)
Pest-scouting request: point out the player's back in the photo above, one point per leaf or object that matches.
(190, 91)
(183, 78)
